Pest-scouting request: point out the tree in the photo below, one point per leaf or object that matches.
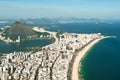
(60, 32)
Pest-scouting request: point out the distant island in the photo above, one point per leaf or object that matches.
(57, 20)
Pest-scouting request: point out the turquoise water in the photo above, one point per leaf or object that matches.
(103, 61)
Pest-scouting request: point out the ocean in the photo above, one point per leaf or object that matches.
(102, 61)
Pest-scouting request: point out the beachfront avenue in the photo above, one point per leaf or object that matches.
(51, 63)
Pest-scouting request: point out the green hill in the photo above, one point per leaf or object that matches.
(19, 29)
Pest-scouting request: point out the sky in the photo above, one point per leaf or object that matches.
(60, 8)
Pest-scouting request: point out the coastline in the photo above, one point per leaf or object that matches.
(80, 54)
(53, 62)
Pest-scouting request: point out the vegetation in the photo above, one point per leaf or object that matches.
(76, 35)
(0, 30)
(23, 30)
(10, 60)
(34, 49)
(1, 55)
(18, 29)
(60, 32)
(11, 78)
(42, 33)
(0, 58)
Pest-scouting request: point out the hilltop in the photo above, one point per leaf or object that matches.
(20, 30)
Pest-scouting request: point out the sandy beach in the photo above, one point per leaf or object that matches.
(80, 55)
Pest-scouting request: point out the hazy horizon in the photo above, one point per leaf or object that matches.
(105, 9)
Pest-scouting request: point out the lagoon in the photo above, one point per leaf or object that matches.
(22, 46)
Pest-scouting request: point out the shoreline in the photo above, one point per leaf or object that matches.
(79, 56)
(53, 62)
